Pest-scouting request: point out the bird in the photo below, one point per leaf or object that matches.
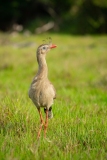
(42, 92)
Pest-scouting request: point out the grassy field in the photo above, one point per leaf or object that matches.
(78, 70)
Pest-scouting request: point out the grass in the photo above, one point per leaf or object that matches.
(78, 70)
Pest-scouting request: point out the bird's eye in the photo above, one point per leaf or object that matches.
(44, 47)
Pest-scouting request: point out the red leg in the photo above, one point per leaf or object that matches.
(42, 123)
(46, 124)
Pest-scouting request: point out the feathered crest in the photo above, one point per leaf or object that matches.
(48, 41)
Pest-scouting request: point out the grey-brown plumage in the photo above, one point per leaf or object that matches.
(41, 91)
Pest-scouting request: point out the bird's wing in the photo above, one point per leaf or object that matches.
(53, 90)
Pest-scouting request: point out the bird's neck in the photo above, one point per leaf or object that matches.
(42, 67)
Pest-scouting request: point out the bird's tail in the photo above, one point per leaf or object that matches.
(50, 113)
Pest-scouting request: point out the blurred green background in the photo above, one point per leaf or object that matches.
(70, 16)
(77, 69)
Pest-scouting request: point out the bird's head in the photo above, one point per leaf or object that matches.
(44, 48)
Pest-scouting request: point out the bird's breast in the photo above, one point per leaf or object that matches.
(42, 93)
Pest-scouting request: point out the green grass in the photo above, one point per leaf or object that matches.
(78, 70)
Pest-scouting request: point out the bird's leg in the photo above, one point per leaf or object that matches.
(42, 123)
(46, 123)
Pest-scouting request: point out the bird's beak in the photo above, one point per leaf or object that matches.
(53, 46)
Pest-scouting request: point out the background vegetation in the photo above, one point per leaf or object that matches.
(70, 16)
(78, 70)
